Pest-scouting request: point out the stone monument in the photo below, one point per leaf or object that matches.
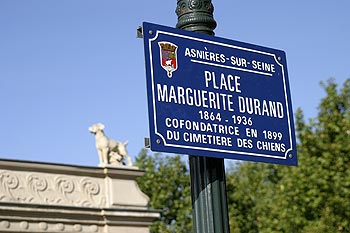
(46, 197)
(109, 151)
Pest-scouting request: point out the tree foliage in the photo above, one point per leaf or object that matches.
(167, 183)
(313, 197)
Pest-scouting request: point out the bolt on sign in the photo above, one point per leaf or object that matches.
(210, 96)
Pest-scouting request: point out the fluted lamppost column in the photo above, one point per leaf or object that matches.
(208, 183)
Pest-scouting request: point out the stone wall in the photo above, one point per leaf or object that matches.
(45, 197)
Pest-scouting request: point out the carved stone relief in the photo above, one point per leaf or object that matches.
(51, 189)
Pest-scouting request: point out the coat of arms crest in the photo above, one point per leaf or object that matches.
(168, 57)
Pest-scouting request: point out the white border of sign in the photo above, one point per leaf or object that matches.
(223, 66)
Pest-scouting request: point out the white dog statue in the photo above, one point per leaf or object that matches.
(109, 151)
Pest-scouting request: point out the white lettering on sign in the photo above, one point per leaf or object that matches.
(205, 55)
(193, 97)
(260, 107)
(262, 66)
(244, 143)
(207, 139)
(238, 61)
(201, 126)
(211, 128)
(228, 83)
(271, 146)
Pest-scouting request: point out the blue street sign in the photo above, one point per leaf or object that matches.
(215, 97)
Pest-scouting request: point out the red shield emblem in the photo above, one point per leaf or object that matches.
(168, 57)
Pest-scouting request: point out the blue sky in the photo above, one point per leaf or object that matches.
(65, 65)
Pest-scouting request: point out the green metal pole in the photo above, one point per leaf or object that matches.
(208, 183)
